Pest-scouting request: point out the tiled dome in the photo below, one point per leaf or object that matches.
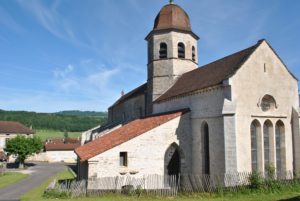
(172, 16)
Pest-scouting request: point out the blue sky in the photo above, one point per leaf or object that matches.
(80, 54)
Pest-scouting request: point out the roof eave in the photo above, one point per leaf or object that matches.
(176, 29)
(91, 155)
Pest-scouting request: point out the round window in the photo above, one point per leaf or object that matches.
(267, 103)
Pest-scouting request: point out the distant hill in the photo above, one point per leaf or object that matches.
(72, 121)
(83, 113)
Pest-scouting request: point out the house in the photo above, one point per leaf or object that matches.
(10, 129)
(61, 150)
(237, 114)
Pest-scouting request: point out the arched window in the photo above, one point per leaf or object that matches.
(255, 129)
(279, 135)
(205, 150)
(268, 128)
(193, 53)
(163, 51)
(181, 50)
(267, 103)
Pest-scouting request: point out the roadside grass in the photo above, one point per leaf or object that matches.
(286, 194)
(45, 134)
(10, 178)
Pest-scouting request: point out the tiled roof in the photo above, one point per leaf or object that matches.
(67, 144)
(172, 16)
(209, 75)
(125, 133)
(135, 92)
(11, 127)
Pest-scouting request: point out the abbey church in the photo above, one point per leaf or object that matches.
(237, 114)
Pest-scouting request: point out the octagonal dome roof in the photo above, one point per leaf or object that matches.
(172, 16)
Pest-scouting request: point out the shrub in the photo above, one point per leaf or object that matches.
(271, 171)
(128, 190)
(139, 190)
(256, 181)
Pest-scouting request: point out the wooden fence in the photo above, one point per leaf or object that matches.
(159, 185)
(2, 168)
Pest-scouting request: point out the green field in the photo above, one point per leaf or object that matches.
(283, 195)
(11, 178)
(45, 134)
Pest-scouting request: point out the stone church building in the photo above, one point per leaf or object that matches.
(237, 114)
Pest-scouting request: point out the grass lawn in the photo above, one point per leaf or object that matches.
(45, 134)
(287, 195)
(11, 178)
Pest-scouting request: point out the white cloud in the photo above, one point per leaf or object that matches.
(102, 78)
(63, 72)
(89, 83)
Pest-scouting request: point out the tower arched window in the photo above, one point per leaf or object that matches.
(163, 51)
(193, 53)
(255, 129)
(181, 51)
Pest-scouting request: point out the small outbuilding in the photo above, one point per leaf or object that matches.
(61, 150)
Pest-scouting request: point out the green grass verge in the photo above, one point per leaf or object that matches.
(45, 134)
(283, 196)
(292, 194)
(37, 193)
(10, 178)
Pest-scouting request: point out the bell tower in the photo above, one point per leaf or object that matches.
(172, 51)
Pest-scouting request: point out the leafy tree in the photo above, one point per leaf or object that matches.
(22, 147)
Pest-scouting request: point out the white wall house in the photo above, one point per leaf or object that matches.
(11, 129)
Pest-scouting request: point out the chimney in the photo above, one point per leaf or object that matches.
(122, 93)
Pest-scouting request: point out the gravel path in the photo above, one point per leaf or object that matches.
(39, 173)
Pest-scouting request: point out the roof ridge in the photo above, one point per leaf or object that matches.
(128, 94)
(237, 52)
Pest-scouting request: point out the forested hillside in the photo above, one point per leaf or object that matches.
(55, 121)
(83, 113)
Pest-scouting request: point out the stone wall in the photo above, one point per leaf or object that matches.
(130, 109)
(4, 137)
(54, 156)
(206, 106)
(61, 156)
(263, 74)
(146, 153)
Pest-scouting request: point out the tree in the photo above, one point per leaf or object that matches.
(66, 135)
(22, 147)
